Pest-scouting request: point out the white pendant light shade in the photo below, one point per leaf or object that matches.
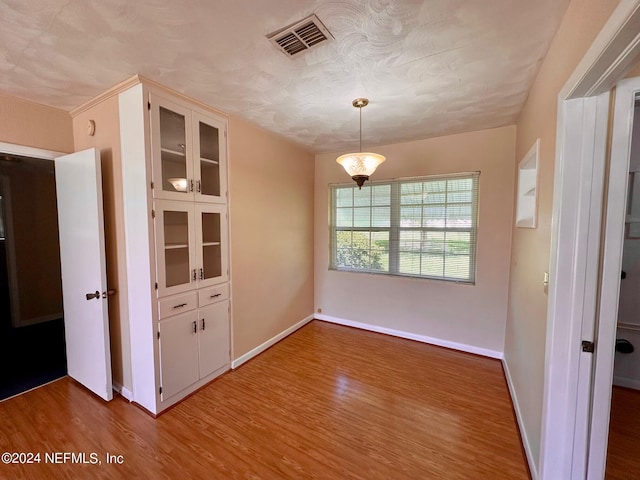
(180, 184)
(360, 163)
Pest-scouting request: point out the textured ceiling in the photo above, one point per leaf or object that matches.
(429, 67)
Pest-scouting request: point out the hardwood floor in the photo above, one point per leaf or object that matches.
(623, 453)
(327, 402)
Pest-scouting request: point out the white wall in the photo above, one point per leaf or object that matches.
(469, 315)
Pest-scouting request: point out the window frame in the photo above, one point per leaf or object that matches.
(394, 229)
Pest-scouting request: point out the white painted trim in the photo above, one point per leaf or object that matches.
(626, 382)
(273, 340)
(123, 391)
(623, 113)
(575, 241)
(531, 460)
(602, 65)
(610, 54)
(29, 151)
(139, 247)
(413, 336)
(24, 151)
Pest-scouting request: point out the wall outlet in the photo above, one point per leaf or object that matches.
(319, 310)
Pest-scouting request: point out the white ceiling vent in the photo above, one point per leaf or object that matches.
(300, 36)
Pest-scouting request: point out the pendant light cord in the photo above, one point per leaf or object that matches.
(360, 108)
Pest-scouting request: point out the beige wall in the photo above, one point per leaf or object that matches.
(473, 315)
(107, 140)
(526, 319)
(34, 125)
(271, 209)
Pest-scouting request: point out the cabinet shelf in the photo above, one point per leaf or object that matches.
(210, 244)
(172, 152)
(174, 246)
(209, 160)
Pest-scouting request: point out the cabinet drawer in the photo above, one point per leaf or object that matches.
(207, 296)
(177, 304)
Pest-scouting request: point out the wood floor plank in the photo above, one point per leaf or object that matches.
(623, 453)
(327, 402)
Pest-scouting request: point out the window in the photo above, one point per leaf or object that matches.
(418, 227)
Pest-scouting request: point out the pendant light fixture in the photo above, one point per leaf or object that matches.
(360, 166)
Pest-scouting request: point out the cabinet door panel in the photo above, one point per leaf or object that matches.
(211, 244)
(175, 240)
(178, 353)
(213, 337)
(171, 138)
(210, 159)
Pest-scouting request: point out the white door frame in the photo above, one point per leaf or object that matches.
(623, 119)
(576, 220)
(22, 151)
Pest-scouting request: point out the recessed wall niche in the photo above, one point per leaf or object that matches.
(527, 202)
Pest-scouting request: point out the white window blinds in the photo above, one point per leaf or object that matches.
(420, 227)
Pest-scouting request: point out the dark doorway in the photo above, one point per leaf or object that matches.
(32, 347)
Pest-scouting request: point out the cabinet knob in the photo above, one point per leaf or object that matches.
(195, 327)
(203, 325)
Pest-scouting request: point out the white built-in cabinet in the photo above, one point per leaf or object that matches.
(188, 153)
(190, 346)
(174, 167)
(191, 246)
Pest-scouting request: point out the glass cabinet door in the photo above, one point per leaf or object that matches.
(210, 159)
(171, 139)
(174, 233)
(211, 244)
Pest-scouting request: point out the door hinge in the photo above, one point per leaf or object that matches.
(156, 285)
(160, 390)
(153, 214)
(152, 185)
(158, 335)
(588, 346)
(148, 105)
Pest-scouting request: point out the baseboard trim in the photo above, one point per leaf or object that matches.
(626, 382)
(261, 348)
(533, 467)
(125, 392)
(412, 336)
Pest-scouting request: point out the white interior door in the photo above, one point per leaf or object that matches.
(84, 279)
(627, 91)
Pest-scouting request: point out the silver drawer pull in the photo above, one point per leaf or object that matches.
(216, 295)
(180, 306)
